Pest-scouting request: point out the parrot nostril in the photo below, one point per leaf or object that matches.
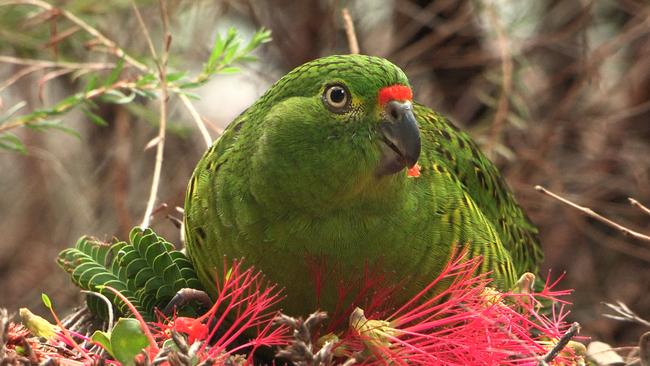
(393, 112)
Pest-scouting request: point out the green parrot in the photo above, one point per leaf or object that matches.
(311, 185)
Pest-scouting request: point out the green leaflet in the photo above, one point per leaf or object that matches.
(125, 341)
(147, 270)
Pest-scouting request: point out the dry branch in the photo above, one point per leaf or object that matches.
(589, 212)
(559, 346)
(639, 205)
(110, 45)
(197, 119)
(83, 25)
(164, 96)
(506, 80)
(349, 31)
(57, 64)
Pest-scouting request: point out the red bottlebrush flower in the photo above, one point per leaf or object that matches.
(413, 172)
(244, 307)
(372, 290)
(247, 301)
(468, 323)
(15, 332)
(22, 342)
(194, 328)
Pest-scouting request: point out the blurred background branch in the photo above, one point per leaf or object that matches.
(591, 213)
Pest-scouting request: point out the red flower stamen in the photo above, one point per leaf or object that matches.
(466, 323)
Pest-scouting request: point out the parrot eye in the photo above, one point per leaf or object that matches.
(336, 98)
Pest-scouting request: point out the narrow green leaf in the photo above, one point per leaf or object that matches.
(217, 51)
(90, 104)
(144, 93)
(95, 118)
(232, 33)
(62, 105)
(227, 51)
(260, 37)
(53, 125)
(190, 95)
(192, 85)
(146, 80)
(117, 97)
(246, 58)
(230, 53)
(46, 300)
(9, 141)
(115, 74)
(229, 70)
(174, 76)
(11, 111)
(92, 82)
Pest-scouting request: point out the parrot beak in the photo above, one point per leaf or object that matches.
(401, 138)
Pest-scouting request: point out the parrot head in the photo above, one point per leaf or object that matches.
(333, 131)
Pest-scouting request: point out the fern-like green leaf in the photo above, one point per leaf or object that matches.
(147, 270)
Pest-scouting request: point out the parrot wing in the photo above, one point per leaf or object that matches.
(458, 155)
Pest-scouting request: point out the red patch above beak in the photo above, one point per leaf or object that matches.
(395, 92)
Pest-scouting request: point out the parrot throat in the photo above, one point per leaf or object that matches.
(287, 191)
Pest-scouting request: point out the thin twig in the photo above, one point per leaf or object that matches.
(506, 80)
(186, 101)
(594, 60)
(644, 349)
(30, 118)
(145, 31)
(624, 313)
(162, 76)
(559, 346)
(197, 119)
(161, 129)
(109, 307)
(56, 39)
(349, 31)
(50, 76)
(17, 76)
(85, 26)
(442, 33)
(57, 64)
(68, 337)
(167, 36)
(639, 205)
(112, 46)
(589, 212)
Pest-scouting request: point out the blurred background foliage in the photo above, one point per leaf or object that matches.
(556, 91)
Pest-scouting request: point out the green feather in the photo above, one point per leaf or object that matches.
(292, 187)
